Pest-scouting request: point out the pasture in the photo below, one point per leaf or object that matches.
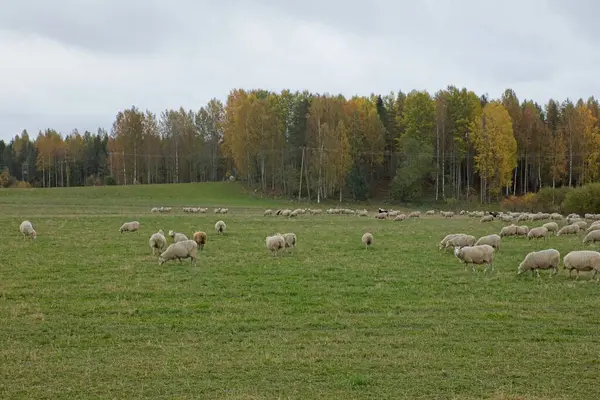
(86, 312)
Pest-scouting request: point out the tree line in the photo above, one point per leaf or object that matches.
(450, 145)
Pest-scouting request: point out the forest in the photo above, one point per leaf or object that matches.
(450, 145)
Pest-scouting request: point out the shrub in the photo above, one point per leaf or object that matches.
(525, 203)
(110, 180)
(584, 199)
(551, 200)
(6, 180)
(21, 185)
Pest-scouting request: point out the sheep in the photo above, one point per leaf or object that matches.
(568, 230)
(522, 230)
(180, 250)
(132, 226)
(593, 236)
(448, 237)
(217, 210)
(26, 229)
(492, 240)
(487, 218)
(430, 212)
(447, 214)
(363, 213)
(506, 218)
(543, 259)
(224, 210)
(275, 243)
(400, 217)
(414, 214)
(200, 238)
(551, 226)
(556, 216)
(581, 224)
(381, 215)
(539, 232)
(482, 254)
(461, 241)
(220, 227)
(268, 212)
(510, 230)
(290, 239)
(582, 260)
(154, 210)
(177, 237)
(157, 242)
(593, 227)
(286, 213)
(367, 240)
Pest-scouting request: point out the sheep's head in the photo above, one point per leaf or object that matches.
(161, 260)
(161, 232)
(33, 234)
(520, 268)
(457, 251)
(171, 233)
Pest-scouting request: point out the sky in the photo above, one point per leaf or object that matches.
(70, 64)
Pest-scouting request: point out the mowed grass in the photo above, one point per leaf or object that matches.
(86, 312)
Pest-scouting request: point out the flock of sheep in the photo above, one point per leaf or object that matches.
(467, 248)
(472, 251)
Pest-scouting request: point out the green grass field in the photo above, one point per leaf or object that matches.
(88, 313)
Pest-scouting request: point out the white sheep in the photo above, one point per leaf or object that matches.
(539, 232)
(482, 254)
(224, 210)
(157, 241)
(430, 212)
(510, 230)
(461, 241)
(132, 226)
(582, 224)
(447, 214)
(179, 251)
(487, 218)
(582, 260)
(367, 240)
(522, 230)
(26, 229)
(217, 210)
(568, 230)
(268, 212)
(400, 217)
(414, 214)
(275, 243)
(492, 240)
(543, 259)
(220, 227)
(290, 239)
(448, 237)
(593, 236)
(381, 215)
(551, 226)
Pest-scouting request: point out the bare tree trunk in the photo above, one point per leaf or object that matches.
(301, 171)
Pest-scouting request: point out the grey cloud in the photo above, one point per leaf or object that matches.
(110, 54)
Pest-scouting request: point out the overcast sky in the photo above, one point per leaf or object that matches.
(71, 64)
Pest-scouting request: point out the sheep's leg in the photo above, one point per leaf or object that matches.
(537, 273)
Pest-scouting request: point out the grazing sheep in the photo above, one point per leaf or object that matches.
(543, 259)
(179, 251)
(510, 230)
(556, 216)
(275, 243)
(482, 254)
(177, 237)
(582, 260)
(506, 218)
(430, 212)
(268, 212)
(26, 229)
(522, 230)
(154, 210)
(568, 230)
(200, 239)
(363, 213)
(461, 241)
(217, 210)
(381, 215)
(224, 210)
(487, 218)
(492, 240)
(286, 213)
(132, 226)
(448, 237)
(290, 239)
(414, 214)
(220, 227)
(157, 242)
(551, 226)
(593, 236)
(447, 214)
(367, 240)
(582, 224)
(400, 217)
(539, 232)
